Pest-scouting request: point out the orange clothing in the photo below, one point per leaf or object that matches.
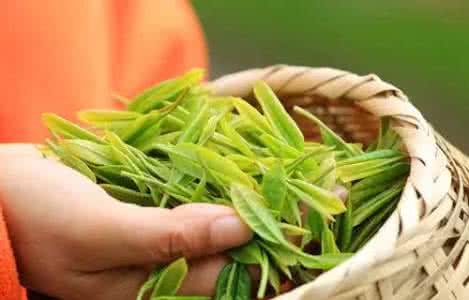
(62, 56)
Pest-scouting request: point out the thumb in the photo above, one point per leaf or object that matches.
(156, 235)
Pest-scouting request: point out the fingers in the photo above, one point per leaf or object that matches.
(202, 276)
(153, 235)
(124, 283)
(116, 284)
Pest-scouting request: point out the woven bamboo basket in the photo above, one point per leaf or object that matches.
(421, 252)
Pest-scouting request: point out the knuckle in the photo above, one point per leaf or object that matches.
(174, 243)
(186, 239)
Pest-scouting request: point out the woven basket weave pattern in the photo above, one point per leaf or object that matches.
(421, 251)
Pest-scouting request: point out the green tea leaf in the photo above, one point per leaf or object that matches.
(363, 195)
(127, 195)
(209, 129)
(281, 257)
(67, 129)
(70, 160)
(97, 154)
(153, 97)
(274, 279)
(327, 171)
(372, 206)
(282, 124)
(200, 190)
(315, 223)
(291, 210)
(224, 168)
(249, 254)
(233, 283)
(112, 174)
(170, 279)
(171, 123)
(330, 137)
(99, 117)
(238, 141)
(325, 202)
(265, 268)
(389, 174)
(371, 156)
(246, 164)
(346, 226)
(149, 284)
(308, 160)
(248, 204)
(305, 275)
(147, 138)
(252, 115)
(122, 153)
(274, 186)
(367, 230)
(184, 158)
(293, 230)
(328, 245)
(323, 262)
(361, 170)
(278, 147)
(193, 129)
(167, 138)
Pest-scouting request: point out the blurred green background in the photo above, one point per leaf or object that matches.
(421, 47)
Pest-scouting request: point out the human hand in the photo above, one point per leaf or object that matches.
(73, 241)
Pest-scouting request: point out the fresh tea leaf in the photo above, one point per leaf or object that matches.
(127, 195)
(67, 129)
(70, 160)
(274, 186)
(100, 117)
(249, 254)
(372, 206)
(153, 97)
(149, 284)
(252, 115)
(328, 135)
(265, 268)
(361, 170)
(328, 245)
(238, 141)
(325, 202)
(346, 226)
(368, 229)
(281, 122)
(248, 204)
(233, 283)
(193, 129)
(97, 154)
(323, 262)
(224, 168)
(170, 279)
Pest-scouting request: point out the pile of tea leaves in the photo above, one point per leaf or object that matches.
(310, 204)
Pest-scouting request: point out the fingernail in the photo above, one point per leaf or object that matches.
(229, 231)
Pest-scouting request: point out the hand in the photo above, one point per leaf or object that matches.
(73, 241)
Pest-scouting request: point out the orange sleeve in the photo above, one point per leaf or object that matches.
(10, 288)
(62, 56)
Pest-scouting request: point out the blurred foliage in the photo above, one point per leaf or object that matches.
(420, 46)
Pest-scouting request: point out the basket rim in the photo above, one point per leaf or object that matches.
(429, 180)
